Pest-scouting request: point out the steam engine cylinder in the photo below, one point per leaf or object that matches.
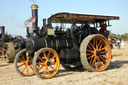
(34, 44)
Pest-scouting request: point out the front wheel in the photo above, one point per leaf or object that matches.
(23, 63)
(47, 61)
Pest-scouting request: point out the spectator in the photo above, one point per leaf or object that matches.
(118, 44)
(22, 42)
(122, 43)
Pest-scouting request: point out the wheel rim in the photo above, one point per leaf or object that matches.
(47, 61)
(98, 53)
(24, 63)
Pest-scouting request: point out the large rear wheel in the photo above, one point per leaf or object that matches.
(48, 63)
(95, 53)
(7, 52)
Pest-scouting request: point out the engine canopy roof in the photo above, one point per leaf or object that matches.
(79, 18)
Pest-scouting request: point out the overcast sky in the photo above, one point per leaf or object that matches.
(13, 13)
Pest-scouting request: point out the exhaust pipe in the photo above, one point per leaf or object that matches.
(2, 29)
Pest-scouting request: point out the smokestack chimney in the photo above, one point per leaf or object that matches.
(2, 29)
(35, 15)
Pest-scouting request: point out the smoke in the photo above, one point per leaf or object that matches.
(33, 1)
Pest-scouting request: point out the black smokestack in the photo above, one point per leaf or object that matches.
(2, 29)
(35, 15)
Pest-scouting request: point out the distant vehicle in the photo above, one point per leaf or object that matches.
(8, 46)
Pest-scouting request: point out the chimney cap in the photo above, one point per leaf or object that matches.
(34, 7)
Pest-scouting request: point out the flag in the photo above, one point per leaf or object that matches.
(33, 19)
(26, 22)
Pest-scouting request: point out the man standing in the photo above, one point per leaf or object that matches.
(22, 42)
(118, 44)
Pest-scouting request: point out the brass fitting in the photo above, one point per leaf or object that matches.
(34, 7)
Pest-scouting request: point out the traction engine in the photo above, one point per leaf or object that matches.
(76, 46)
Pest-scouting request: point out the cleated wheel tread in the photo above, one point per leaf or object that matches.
(95, 53)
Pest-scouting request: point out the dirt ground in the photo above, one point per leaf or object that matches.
(115, 74)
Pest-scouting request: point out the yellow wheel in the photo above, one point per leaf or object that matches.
(95, 53)
(23, 63)
(48, 63)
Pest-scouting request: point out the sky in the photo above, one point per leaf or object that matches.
(13, 13)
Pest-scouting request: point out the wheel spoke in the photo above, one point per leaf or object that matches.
(96, 65)
(94, 42)
(90, 51)
(93, 61)
(98, 59)
(48, 54)
(92, 45)
(44, 55)
(27, 57)
(52, 67)
(48, 71)
(103, 48)
(89, 47)
(104, 52)
(89, 54)
(45, 71)
(21, 61)
(102, 63)
(52, 58)
(21, 65)
(100, 46)
(40, 58)
(23, 57)
(31, 68)
(90, 57)
(24, 69)
(102, 59)
(40, 68)
(27, 69)
(52, 63)
(99, 43)
(105, 56)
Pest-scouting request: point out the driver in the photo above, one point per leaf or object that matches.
(103, 27)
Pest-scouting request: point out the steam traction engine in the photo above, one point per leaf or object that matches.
(9, 46)
(74, 47)
(7, 49)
